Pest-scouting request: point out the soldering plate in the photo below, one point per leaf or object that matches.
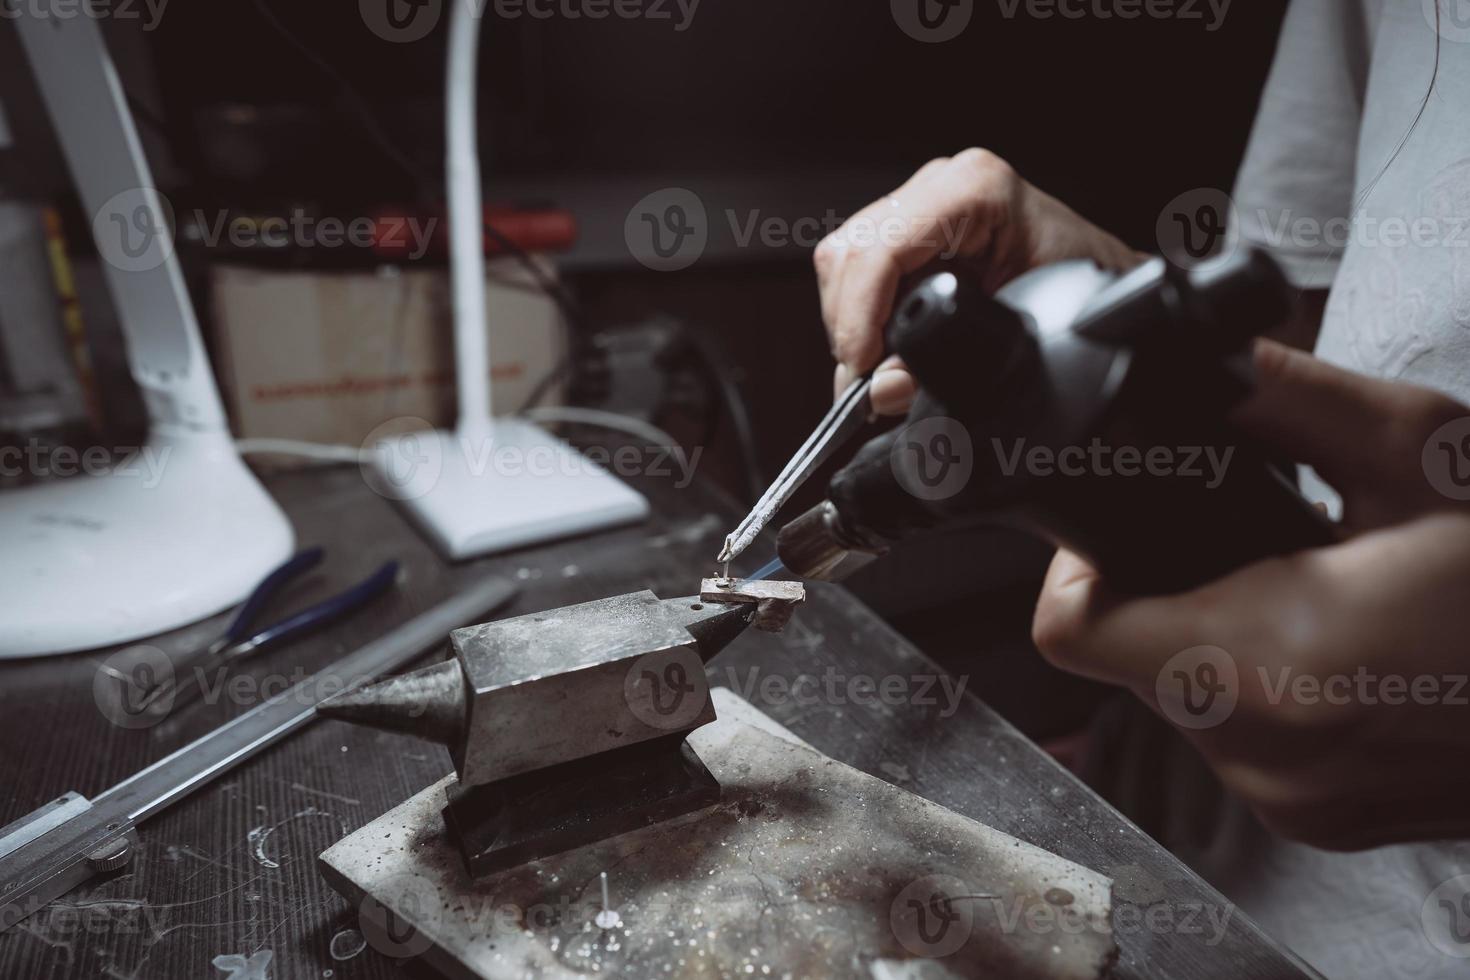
(808, 868)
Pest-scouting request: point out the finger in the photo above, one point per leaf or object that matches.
(1067, 569)
(945, 209)
(893, 388)
(924, 173)
(1366, 437)
(868, 290)
(857, 302)
(842, 379)
(832, 258)
(829, 260)
(1085, 628)
(1342, 424)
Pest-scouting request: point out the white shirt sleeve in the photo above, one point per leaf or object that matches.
(1301, 160)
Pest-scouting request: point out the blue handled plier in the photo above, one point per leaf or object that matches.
(241, 639)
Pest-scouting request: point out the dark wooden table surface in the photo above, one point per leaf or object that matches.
(229, 875)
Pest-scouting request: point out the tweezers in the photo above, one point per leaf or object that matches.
(847, 416)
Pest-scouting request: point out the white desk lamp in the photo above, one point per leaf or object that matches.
(97, 560)
(492, 484)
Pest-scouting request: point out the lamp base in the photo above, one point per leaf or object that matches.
(502, 485)
(179, 532)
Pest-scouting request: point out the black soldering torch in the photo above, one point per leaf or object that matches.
(1088, 407)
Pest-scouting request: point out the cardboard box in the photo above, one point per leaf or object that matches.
(329, 356)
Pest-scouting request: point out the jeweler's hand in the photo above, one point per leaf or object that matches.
(1327, 688)
(973, 207)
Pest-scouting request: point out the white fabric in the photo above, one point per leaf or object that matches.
(1348, 79)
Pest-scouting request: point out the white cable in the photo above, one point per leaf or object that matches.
(466, 221)
(646, 431)
(326, 453)
(304, 450)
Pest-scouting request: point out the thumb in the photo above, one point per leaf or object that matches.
(1085, 628)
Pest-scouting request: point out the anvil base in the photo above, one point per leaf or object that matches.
(562, 807)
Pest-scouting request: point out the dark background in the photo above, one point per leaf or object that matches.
(788, 106)
(1114, 116)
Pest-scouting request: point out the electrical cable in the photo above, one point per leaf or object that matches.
(734, 402)
(338, 454)
(1372, 185)
(570, 311)
(613, 421)
(320, 452)
(567, 306)
(740, 421)
(358, 104)
(154, 120)
(559, 370)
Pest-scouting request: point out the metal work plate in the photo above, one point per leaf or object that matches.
(746, 590)
(808, 868)
(775, 602)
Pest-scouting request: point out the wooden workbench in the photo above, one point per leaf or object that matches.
(231, 871)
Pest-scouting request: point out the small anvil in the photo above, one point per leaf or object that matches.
(569, 725)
